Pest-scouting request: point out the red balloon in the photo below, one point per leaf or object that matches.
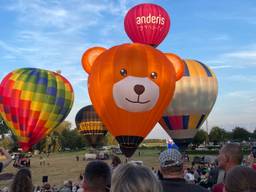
(147, 23)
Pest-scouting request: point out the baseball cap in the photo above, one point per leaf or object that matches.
(170, 157)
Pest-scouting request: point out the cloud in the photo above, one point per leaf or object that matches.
(220, 66)
(242, 78)
(221, 37)
(248, 54)
(243, 58)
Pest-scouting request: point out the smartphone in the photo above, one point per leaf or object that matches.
(45, 179)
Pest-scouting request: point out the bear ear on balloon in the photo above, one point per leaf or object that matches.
(91, 55)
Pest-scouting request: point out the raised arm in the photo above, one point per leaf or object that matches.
(8, 159)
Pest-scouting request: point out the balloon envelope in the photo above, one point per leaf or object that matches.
(89, 124)
(130, 85)
(33, 102)
(194, 97)
(147, 23)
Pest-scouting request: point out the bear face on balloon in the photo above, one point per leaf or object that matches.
(130, 85)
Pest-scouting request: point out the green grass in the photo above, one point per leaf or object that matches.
(63, 166)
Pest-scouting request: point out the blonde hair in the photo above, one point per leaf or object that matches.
(131, 178)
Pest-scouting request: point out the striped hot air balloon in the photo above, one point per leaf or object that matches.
(194, 98)
(33, 102)
(90, 125)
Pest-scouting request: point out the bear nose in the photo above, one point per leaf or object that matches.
(139, 89)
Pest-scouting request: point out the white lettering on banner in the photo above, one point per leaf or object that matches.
(150, 19)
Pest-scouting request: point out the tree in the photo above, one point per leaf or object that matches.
(217, 135)
(254, 134)
(200, 137)
(72, 139)
(3, 127)
(111, 140)
(240, 134)
(63, 126)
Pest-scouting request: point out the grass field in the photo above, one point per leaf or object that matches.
(63, 166)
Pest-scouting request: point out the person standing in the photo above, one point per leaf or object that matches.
(171, 168)
(22, 181)
(230, 155)
(97, 177)
(7, 160)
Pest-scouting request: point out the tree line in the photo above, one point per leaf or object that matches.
(63, 137)
(218, 135)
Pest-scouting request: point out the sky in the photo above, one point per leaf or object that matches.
(53, 35)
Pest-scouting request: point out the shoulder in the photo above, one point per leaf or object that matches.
(197, 188)
(1, 166)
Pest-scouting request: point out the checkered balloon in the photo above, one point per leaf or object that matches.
(33, 102)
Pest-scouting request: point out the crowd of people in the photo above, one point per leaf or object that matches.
(227, 174)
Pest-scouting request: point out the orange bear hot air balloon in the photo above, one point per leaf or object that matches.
(130, 86)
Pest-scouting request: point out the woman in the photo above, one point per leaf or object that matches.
(22, 181)
(131, 178)
(240, 179)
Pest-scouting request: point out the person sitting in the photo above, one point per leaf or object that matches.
(97, 177)
(240, 179)
(22, 181)
(131, 178)
(171, 168)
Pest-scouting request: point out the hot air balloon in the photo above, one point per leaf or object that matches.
(130, 86)
(193, 100)
(147, 23)
(89, 124)
(33, 102)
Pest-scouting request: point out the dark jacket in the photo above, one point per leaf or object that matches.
(180, 185)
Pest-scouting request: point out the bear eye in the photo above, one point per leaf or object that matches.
(123, 72)
(153, 75)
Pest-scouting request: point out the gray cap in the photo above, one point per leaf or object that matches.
(170, 158)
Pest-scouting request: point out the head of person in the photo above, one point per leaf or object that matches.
(131, 177)
(229, 156)
(97, 177)
(171, 163)
(115, 161)
(22, 181)
(240, 179)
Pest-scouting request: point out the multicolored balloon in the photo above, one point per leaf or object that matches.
(147, 23)
(130, 86)
(33, 102)
(90, 125)
(194, 98)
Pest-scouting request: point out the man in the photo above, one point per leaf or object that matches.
(229, 156)
(97, 177)
(171, 167)
(7, 160)
(67, 186)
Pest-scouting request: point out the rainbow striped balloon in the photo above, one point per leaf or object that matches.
(33, 102)
(194, 98)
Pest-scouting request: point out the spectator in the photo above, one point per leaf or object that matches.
(171, 167)
(7, 161)
(229, 156)
(240, 179)
(115, 162)
(131, 178)
(97, 177)
(46, 188)
(67, 187)
(22, 181)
